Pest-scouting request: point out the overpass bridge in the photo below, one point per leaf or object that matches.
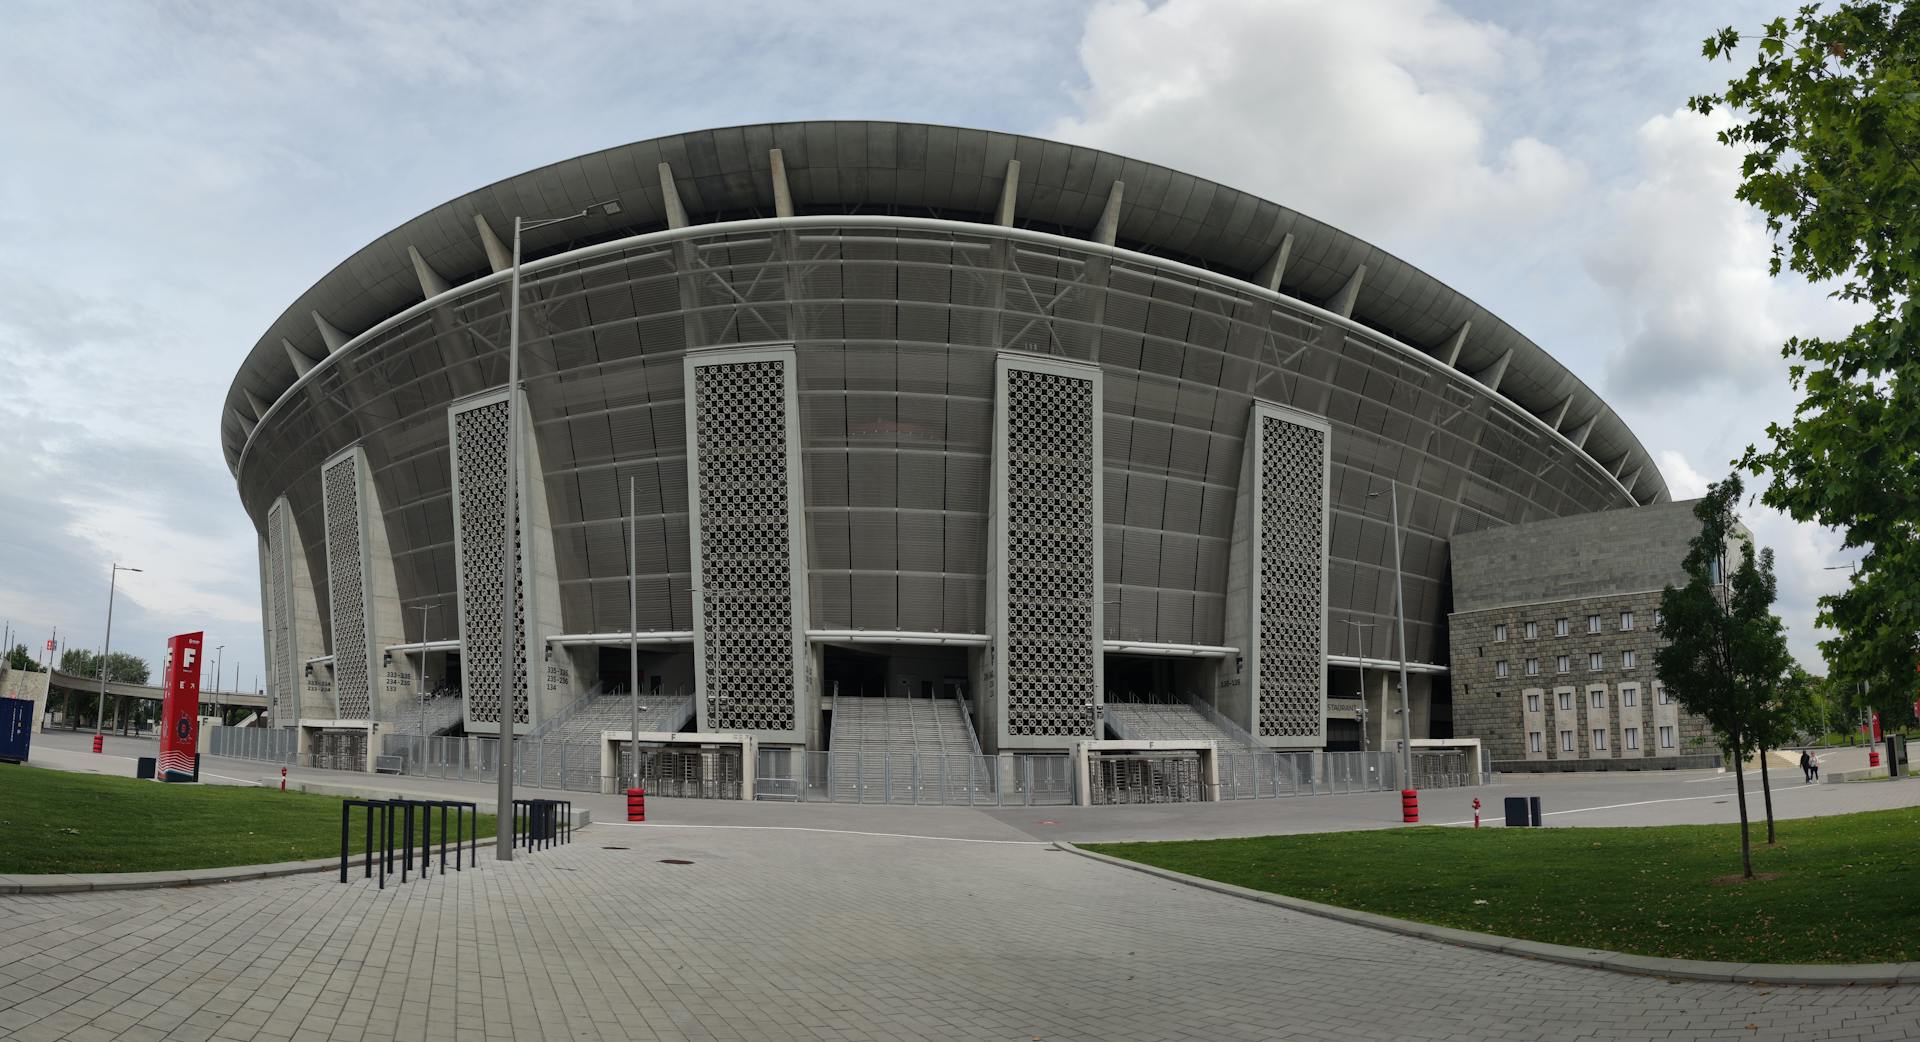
(74, 683)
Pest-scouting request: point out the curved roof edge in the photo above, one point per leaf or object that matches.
(912, 169)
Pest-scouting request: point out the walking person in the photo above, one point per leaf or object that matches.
(1813, 764)
(1806, 767)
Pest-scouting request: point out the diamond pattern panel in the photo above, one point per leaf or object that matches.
(480, 463)
(346, 588)
(285, 694)
(741, 431)
(1292, 573)
(1051, 545)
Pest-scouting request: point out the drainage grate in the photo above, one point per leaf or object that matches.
(674, 861)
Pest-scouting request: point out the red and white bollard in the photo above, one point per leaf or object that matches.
(100, 744)
(283, 779)
(636, 804)
(1476, 812)
(1409, 806)
(1873, 755)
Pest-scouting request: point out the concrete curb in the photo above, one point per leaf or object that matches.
(1880, 973)
(72, 883)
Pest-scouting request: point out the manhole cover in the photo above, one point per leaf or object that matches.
(616, 848)
(674, 861)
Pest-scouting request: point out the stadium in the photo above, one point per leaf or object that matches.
(918, 445)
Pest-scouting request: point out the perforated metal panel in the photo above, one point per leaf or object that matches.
(284, 674)
(1050, 526)
(745, 503)
(480, 507)
(1292, 588)
(347, 587)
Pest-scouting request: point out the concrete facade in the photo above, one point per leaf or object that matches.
(1553, 638)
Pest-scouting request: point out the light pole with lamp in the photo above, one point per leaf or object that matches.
(423, 609)
(633, 625)
(100, 709)
(509, 666)
(1400, 621)
(1361, 658)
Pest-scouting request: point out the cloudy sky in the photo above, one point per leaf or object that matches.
(172, 175)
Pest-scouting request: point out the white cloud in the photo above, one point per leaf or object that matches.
(1372, 115)
(1682, 480)
(1685, 268)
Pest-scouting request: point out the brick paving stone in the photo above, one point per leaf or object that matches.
(783, 935)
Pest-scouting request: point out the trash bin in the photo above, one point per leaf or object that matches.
(144, 767)
(1533, 810)
(1897, 756)
(16, 729)
(1517, 812)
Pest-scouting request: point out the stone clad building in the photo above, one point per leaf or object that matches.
(1553, 635)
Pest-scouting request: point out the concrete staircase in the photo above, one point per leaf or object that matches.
(901, 750)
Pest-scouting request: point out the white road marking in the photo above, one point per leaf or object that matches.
(1618, 806)
(840, 832)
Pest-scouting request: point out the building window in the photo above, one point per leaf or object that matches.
(1666, 736)
(1600, 738)
(1533, 667)
(1533, 703)
(1566, 664)
(1559, 627)
(1596, 700)
(1533, 631)
(1631, 736)
(1500, 668)
(1597, 660)
(1658, 618)
(1593, 624)
(1626, 620)
(1499, 632)
(1628, 658)
(1629, 696)
(1566, 701)
(1533, 742)
(1664, 697)
(1566, 741)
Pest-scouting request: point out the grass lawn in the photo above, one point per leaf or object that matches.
(58, 821)
(1836, 889)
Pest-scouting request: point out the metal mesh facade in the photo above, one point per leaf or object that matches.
(346, 579)
(283, 673)
(1292, 503)
(480, 462)
(746, 626)
(1051, 585)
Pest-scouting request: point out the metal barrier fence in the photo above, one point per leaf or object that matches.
(1450, 769)
(1147, 778)
(703, 774)
(382, 818)
(266, 744)
(340, 750)
(953, 779)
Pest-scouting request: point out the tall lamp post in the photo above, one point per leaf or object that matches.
(423, 609)
(1400, 621)
(100, 708)
(1360, 656)
(633, 624)
(509, 665)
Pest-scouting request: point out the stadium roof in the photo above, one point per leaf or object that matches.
(912, 169)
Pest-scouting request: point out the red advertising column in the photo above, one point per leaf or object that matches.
(180, 708)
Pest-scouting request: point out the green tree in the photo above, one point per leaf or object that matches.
(1725, 650)
(122, 668)
(1826, 120)
(17, 658)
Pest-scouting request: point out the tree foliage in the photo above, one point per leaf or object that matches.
(18, 658)
(1827, 121)
(122, 668)
(1725, 655)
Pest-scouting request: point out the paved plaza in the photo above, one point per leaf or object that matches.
(849, 922)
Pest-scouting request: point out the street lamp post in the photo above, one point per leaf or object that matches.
(1400, 621)
(509, 664)
(423, 609)
(100, 708)
(1360, 656)
(633, 624)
